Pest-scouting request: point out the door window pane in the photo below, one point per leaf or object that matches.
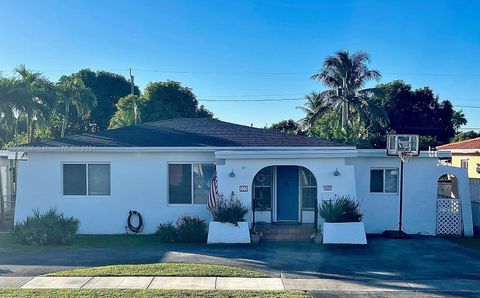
(391, 181)
(263, 198)
(202, 179)
(309, 188)
(376, 180)
(98, 179)
(262, 188)
(74, 179)
(309, 195)
(180, 184)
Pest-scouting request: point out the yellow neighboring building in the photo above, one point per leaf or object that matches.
(465, 154)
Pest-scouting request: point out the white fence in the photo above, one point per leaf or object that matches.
(449, 217)
(475, 198)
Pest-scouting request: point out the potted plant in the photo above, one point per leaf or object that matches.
(228, 225)
(342, 221)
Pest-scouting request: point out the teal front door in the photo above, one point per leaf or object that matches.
(287, 193)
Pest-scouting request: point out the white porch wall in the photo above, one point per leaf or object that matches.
(322, 168)
(139, 181)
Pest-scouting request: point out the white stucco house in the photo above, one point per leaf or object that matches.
(163, 169)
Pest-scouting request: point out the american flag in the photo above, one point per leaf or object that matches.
(213, 194)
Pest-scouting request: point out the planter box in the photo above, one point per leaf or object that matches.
(344, 233)
(219, 232)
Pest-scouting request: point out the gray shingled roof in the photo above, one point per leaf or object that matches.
(187, 132)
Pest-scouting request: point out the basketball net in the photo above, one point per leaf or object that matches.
(404, 151)
(405, 156)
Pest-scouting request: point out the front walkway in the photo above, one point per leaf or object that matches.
(234, 283)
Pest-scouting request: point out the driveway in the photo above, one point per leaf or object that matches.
(426, 260)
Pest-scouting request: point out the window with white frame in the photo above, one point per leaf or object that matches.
(308, 185)
(80, 179)
(384, 180)
(464, 163)
(189, 183)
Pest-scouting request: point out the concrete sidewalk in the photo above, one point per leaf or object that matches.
(224, 283)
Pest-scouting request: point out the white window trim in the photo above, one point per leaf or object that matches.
(301, 187)
(86, 163)
(462, 160)
(383, 183)
(191, 163)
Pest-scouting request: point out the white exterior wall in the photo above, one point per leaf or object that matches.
(139, 181)
(419, 198)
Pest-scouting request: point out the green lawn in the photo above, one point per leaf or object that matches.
(162, 269)
(24, 293)
(472, 243)
(8, 244)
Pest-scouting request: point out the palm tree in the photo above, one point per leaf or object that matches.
(346, 75)
(316, 106)
(30, 97)
(73, 92)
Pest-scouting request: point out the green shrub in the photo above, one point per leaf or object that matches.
(167, 232)
(48, 228)
(343, 209)
(231, 211)
(191, 229)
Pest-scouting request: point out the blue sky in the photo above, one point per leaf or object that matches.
(249, 49)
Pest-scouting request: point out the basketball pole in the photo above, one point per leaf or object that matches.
(401, 200)
(399, 234)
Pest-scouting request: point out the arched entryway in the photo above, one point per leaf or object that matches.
(284, 194)
(449, 211)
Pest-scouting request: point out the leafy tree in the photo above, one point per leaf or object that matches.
(31, 95)
(329, 127)
(465, 135)
(415, 112)
(288, 126)
(458, 119)
(169, 99)
(315, 107)
(72, 93)
(346, 75)
(203, 112)
(128, 108)
(107, 88)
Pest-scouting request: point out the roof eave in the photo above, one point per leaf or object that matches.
(49, 149)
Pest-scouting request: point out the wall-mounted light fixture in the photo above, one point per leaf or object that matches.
(336, 173)
(232, 174)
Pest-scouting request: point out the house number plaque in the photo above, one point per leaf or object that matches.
(243, 188)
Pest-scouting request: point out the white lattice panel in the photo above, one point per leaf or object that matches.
(449, 217)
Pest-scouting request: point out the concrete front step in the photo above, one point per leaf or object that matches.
(285, 232)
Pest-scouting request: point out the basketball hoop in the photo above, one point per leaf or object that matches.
(403, 146)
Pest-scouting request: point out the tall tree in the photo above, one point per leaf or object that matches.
(128, 108)
(107, 88)
(72, 93)
(417, 111)
(316, 105)
(31, 96)
(458, 119)
(346, 75)
(169, 99)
